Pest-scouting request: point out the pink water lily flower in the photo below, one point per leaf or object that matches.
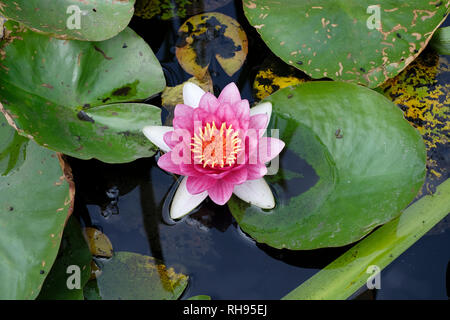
(218, 145)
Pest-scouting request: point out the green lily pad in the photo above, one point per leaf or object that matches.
(74, 251)
(35, 200)
(129, 275)
(89, 20)
(200, 297)
(358, 164)
(70, 95)
(341, 40)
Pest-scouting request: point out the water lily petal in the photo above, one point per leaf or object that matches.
(256, 171)
(256, 192)
(209, 103)
(156, 135)
(242, 111)
(237, 176)
(183, 117)
(269, 148)
(262, 108)
(198, 184)
(259, 122)
(183, 202)
(221, 192)
(192, 94)
(230, 94)
(165, 162)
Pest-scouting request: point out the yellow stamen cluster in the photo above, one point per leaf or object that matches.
(212, 146)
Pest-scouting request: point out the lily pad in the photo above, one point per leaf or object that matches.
(208, 35)
(168, 9)
(99, 243)
(172, 96)
(35, 200)
(74, 251)
(69, 95)
(131, 275)
(342, 39)
(200, 297)
(360, 164)
(273, 75)
(89, 20)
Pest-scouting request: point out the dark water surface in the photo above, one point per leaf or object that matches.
(126, 202)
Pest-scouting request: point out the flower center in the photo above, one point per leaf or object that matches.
(212, 146)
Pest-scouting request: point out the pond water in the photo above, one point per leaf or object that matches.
(126, 202)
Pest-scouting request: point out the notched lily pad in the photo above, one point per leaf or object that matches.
(342, 39)
(129, 275)
(72, 96)
(205, 36)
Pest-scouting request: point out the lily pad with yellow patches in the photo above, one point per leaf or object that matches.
(207, 36)
(172, 96)
(275, 75)
(99, 243)
(168, 9)
(130, 275)
(422, 92)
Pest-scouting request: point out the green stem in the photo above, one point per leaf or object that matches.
(345, 275)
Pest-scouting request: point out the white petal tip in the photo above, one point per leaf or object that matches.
(256, 192)
(183, 202)
(192, 94)
(156, 135)
(262, 108)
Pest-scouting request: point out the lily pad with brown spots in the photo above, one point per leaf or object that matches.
(74, 251)
(35, 201)
(88, 20)
(81, 98)
(342, 39)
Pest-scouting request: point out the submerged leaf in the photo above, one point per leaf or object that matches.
(200, 297)
(205, 36)
(422, 91)
(129, 275)
(99, 243)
